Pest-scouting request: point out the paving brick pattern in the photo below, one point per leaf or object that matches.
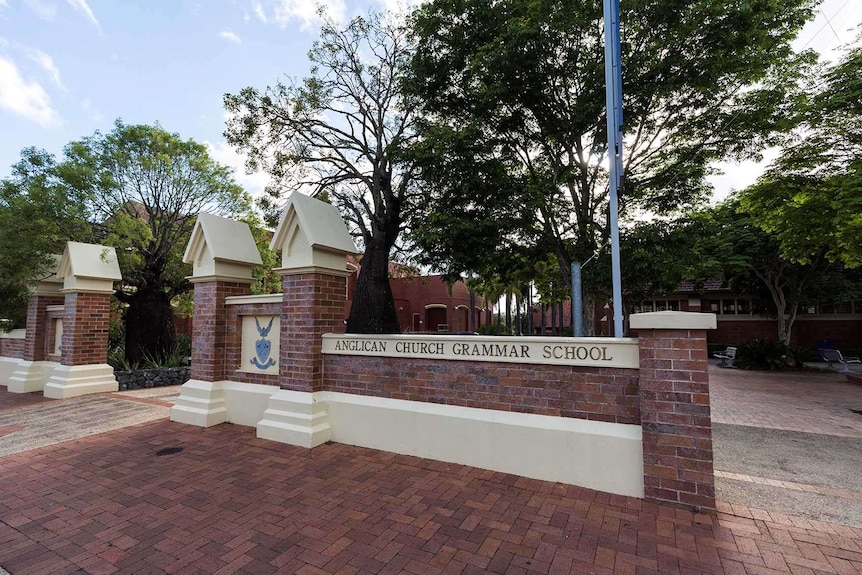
(795, 486)
(797, 401)
(231, 503)
(16, 400)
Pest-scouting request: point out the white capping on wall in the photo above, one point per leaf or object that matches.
(311, 234)
(672, 320)
(221, 248)
(88, 268)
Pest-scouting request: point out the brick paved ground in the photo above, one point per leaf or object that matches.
(16, 400)
(231, 503)
(797, 401)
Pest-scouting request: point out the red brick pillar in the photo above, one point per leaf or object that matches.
(313, 304)
(88, 272)
(674, 404)
(85, 328)
(35, 343)
(209, 328)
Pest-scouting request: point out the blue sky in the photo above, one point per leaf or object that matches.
(71, 67)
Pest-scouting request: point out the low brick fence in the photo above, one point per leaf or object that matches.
(12, 344)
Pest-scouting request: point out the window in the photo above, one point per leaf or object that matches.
(730, 306)
(657, 305)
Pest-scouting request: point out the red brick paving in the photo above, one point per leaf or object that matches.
(803, 401)
(231, 503)
(15, 400)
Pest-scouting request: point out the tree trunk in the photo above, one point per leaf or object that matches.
(149, 320)
(519, 330)
(589, 315)
(544, 332)
(508, 313)
(373, 307)
(471, 322)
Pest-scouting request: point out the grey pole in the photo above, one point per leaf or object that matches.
(577, 301)
(614, 102)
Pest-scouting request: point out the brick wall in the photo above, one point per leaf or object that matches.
(11, 347)
(313, 305)
(583, 393)
(233, 342)
(675, 417)
(211, 323)
(85, 329)
(37, 325)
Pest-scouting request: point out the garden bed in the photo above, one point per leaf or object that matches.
(145, 378)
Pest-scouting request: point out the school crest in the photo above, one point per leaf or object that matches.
(263, 346)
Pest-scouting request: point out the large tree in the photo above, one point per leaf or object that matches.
(525, 79)
(37, 217)
(810, 198)
(752, 265)
(138, 188)
(342, 131)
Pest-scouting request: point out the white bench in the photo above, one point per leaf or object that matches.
(727, 356)
(833, 355)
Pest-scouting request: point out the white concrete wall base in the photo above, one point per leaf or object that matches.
(8, 367)
(75, 380)
(296, 418)
(246, 403)
(32, 376)
(602, 456)
(201, 403)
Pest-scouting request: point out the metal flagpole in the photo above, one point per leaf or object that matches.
(614, 101)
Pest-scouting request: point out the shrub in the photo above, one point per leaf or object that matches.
(761, 354)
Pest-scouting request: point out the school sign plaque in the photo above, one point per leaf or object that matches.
(582, 351)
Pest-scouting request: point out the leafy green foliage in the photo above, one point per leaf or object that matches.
(37, 217)
(137, 188)
(761, 354)
(811, 196)
(514, 138)
(341, 130)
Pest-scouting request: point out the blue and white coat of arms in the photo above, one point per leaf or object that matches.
(263, 346)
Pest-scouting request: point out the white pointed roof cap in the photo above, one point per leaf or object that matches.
(88, 268)
(312, 235)
(221, 249)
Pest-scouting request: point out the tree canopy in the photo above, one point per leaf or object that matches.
(512, 92)
(137, 188)
(37, 217)
(810, 198)
(341, 130)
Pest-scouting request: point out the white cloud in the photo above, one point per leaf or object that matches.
(23, 98)
(224, 154)
(82, 6)
(91, 112)
(258, 10)
(230, 36)
(43, 10)
(399, 7)
(738, 176)
(305, 11)
(4, 4)
(47, 63)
